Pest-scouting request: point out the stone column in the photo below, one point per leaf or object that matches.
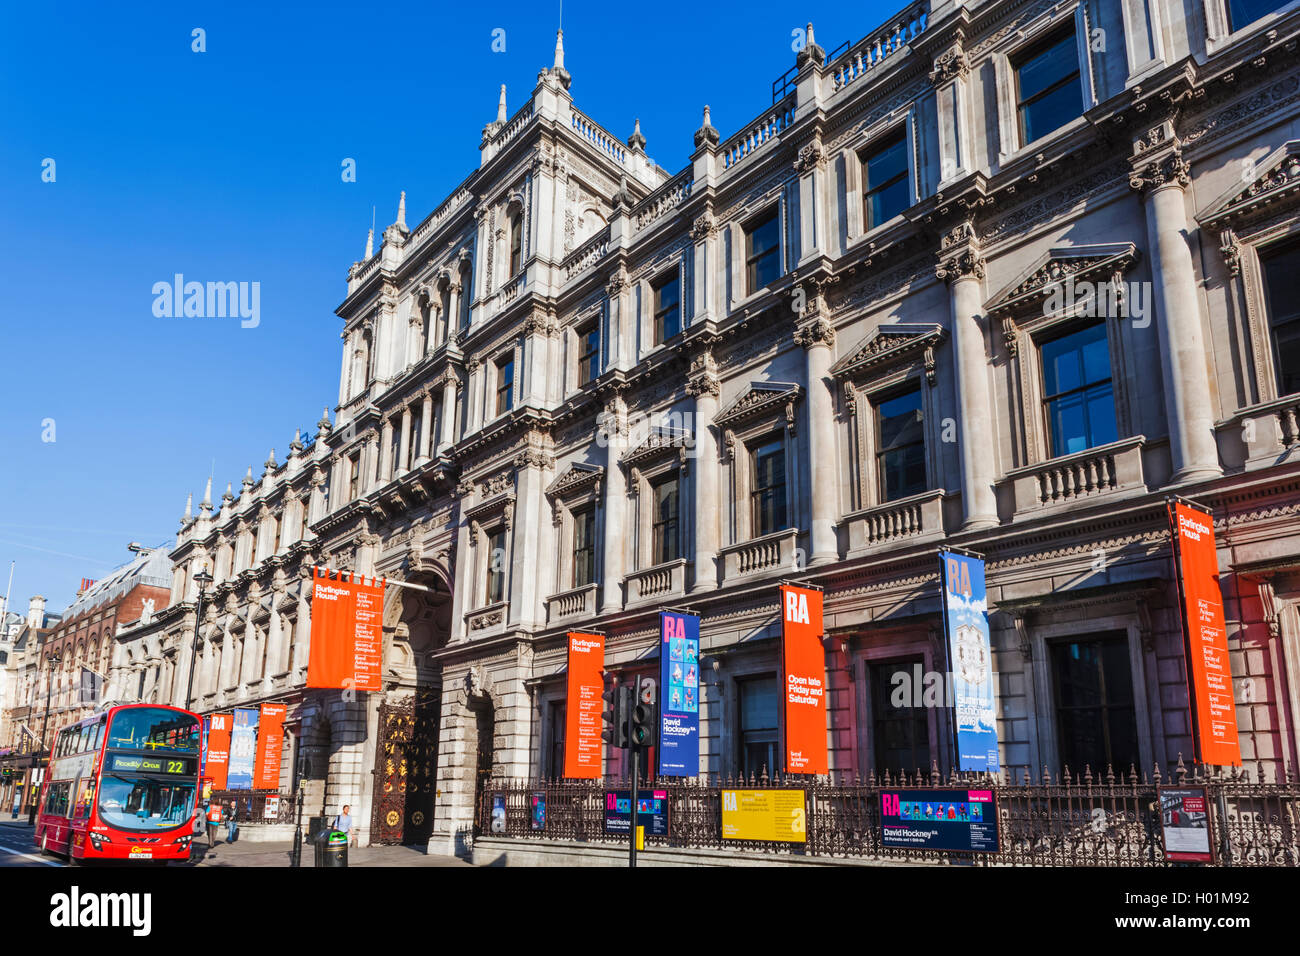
(404, 449)
(962, 267)
(426, 427)
(1161, 174)
(614, 508)
(450, 399)
(386, 463)
(705, 387)
(818, 341)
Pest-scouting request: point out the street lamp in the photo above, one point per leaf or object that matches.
(202, 579)
(53, 658)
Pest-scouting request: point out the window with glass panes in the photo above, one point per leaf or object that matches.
(496, 565)
(505, 385)
(584, 547)
(767, 496)
(354, 479)
(668, 308)
(900, 736)
(884, 181)
(516, 242)
(1078, 396)
(1049, 90)
(1095, 716)
(1242, 13)
(466, 295)
(555, 732)
(588, 354)
(663, 520)
(763, 252)
(900, 445)
(1281, 270)
(758, 726)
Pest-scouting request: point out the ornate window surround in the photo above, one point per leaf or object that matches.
(573, 345)
(764, 411)
(575, 488)
(483, 519)
(645, 290)
(1022, 312)
(1217, 32)
(888, 357)
(853, 154)
(1008, 119)
(736, 288)
(1247, 219)
(664, 450)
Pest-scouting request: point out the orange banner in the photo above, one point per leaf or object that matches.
(803, 679)
(1205, 638)
(582, 720)
(270, 741)
(219, 727)
(347, 640)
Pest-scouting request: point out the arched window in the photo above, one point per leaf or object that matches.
(516, 242)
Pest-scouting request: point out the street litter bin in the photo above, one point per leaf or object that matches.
(334, 849)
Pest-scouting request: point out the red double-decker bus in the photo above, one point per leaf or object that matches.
(121, 786)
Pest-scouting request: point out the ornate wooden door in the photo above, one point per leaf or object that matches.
(406, 768)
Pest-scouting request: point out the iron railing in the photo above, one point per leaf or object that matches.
(1068, 820)
(250, 805)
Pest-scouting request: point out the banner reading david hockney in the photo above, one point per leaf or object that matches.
(1205, 637)
(970, 657)
(219, 727)
(803, 676)
(582, 742)
(679, 700)
(243, 744)
(346, 632)
(270, 741)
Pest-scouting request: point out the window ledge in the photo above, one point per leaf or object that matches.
(768, 554)
(915, 518)
(571, 603)
(656, 581)
(1039, 145)
(1065, 481)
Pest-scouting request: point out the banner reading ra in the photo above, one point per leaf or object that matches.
(346, 631)
(970, 660)
(219, 727)
(582, 743)
(803, 679)
(1205, 639)
(679, 704)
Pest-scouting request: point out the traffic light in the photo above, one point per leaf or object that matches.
(643, 725)
(619, 700)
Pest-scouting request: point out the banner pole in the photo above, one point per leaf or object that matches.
(393, 581)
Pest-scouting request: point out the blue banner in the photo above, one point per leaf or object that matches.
(243, 747)
(679, 694)
(970, 658)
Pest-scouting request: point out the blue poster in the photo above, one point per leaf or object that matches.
(679, 694)
(970, 658)
(243, 747)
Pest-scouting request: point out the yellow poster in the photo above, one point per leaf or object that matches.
(764, 815)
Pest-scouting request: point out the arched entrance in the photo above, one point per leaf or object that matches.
(406, 758)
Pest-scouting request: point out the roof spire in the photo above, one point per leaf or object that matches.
(189, 509)
(559, 51)
(636, 140)
(501, 105)
(370, 245)
(401, 210)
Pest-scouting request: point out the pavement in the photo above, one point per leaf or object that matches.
(17, 849)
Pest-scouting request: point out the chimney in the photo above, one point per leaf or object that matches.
(36, 612)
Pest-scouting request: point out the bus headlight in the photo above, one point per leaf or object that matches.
(98, 840)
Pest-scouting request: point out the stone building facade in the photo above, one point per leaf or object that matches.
(999, 275)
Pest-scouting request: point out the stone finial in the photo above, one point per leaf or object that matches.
(623, 198)
(501, 106)
(401, 210)
(189, 509)
(270, 463)
(323, 427)
(295, 446)
(207, 494)
(811, 41)
(557, 69)
(636, 140)
(248, 479)
(370, 245)
(811, 51)
(228, 496)
(706, 133)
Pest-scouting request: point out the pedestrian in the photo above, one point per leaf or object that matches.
(232, 825)
(343, 822)
(214, 820)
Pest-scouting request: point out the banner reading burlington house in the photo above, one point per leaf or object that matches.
(679, 703)
(1205, 638)
(346, 632)
(803, 679)
(270, 742)
(582, 743)
(970, 658)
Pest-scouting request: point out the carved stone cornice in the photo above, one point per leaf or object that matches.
(762, 398)
(1061, 268)
(575, 479)
(889, 346)
(1158, 160)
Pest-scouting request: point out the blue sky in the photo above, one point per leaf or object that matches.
(225, 166)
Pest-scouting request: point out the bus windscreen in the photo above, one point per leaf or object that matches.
(153, 728)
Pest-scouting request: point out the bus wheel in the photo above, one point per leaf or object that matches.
(45, 844)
